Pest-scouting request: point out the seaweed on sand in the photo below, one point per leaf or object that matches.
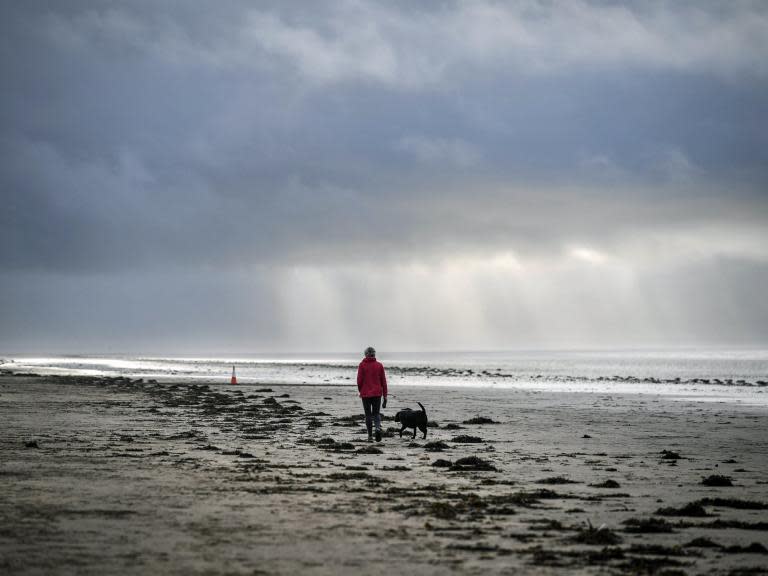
(702, 543)
(747, 571)
(670, 455)
(717, 480)
(467, 504)
(719, 524)
(523, 498)
(542, 557)
(734, 503)
(473, 463)
(480, 547)
(647, 526)
(465, 439)
(350, 476)
(600, 536)
(351, 421)
(661, 550)
(442, 510)
(607, 484)
(754, 548)
(650, 565)
(604, 555)
(480, 420)
(692, 509)
(556, 480)
(546, 524)
(330, 444)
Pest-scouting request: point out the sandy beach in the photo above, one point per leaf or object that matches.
(121, 476)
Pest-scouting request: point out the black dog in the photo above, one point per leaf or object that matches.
(412, 419)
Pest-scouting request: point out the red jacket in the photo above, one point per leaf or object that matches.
(371, 380)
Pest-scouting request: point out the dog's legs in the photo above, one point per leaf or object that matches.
(424, 430)
(401, 431)
(414, 432)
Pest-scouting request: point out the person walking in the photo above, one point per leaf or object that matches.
(372, 385)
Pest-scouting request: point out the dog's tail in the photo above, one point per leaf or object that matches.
(422, 407)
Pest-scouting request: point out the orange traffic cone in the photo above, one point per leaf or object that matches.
(234, 378)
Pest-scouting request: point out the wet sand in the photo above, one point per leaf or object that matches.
(128, 477)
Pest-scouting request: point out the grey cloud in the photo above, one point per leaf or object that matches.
(410, 46)
(400, 43)
(173, 141)
(439, 150)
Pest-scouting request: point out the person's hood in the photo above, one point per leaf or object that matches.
(369, 359)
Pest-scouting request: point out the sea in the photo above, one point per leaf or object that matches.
(731, 375)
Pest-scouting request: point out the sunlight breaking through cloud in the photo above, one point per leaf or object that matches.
(457, 174)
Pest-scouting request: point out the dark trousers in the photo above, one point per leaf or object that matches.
(372, 406)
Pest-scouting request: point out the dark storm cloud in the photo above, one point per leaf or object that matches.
(172, 140)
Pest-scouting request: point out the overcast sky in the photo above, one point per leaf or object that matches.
(192, 177)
